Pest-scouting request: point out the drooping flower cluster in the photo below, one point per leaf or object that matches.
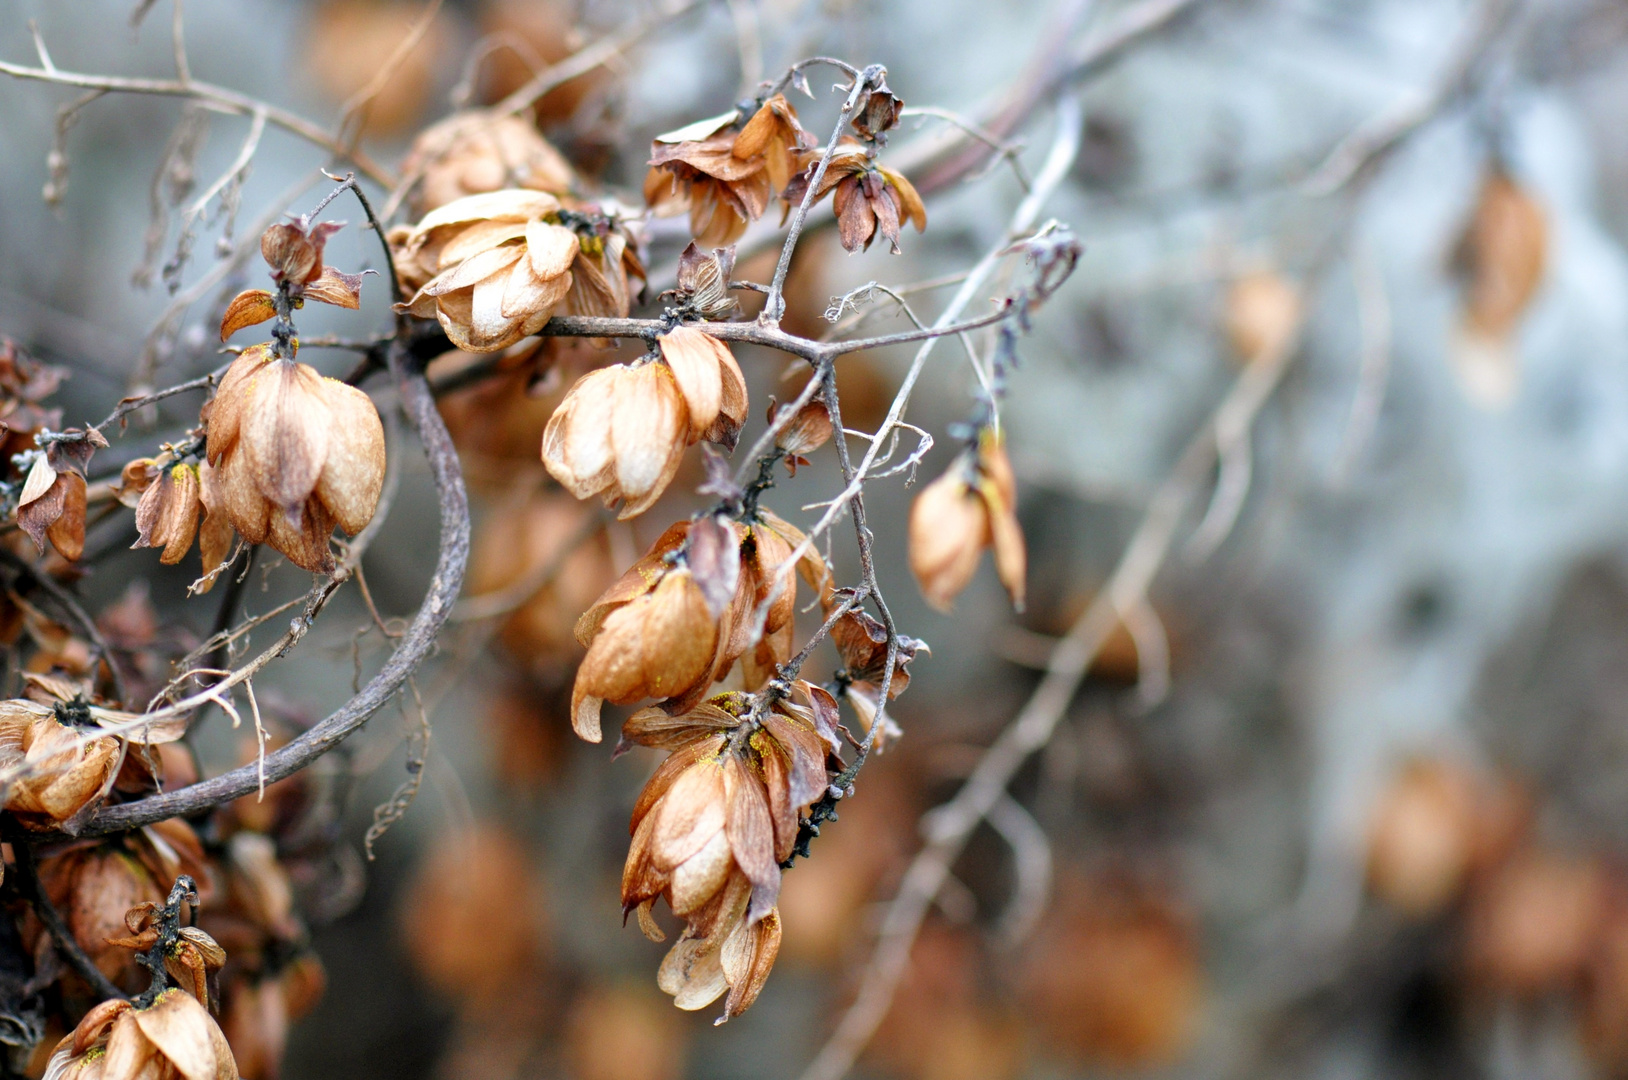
(686, 613)
(712, 828)
(290, 456)
(724, 170)
(622, 430)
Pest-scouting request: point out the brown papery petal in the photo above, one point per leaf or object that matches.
(37, 517)
(333, 287)
(949, 527)
(67, 532)
(668, 772)
(576, 442)
(692, 973)
(306, 542)
(178, 523)
(691, 355)
(751, 835)
(679, 635)
(513, 204)
(648, 428)
(1011, 557)
(353, 473)
(698, 878)
(911, 208)
(479, 237)
(130, 1053)
(715, 560)
(639, 579)
(474, 269)
(179, 1026)
(764, 938)
(691, 814)
(40, 478)
(248, 510)
(215, 530)
(226, 410)
(550, 248)
(248, 308)
(286, 432)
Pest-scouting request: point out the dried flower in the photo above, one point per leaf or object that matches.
(683, 615)
(295, 455)
(167, 516)
(59, 770)
(658, 644)
(174, 1038)
(878, 113)
(491, 268)
(804, 433)
(711, 829)
(861, 641)
(293, 250)
(724, 171)
(52, 502)
(621, 431)
(971, 507)
(703, 281)
(870, 199)
(620, 434)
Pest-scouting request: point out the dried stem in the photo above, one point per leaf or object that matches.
(218, 98)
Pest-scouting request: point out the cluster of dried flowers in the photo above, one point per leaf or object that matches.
(504, 236)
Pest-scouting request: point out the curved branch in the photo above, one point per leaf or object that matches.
(415, 645)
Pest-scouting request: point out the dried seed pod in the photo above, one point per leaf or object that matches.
(805, 433)
(703, 281)
(295, 456)
(52, 502)
(971, 507)
(491, 268)
(658, 645)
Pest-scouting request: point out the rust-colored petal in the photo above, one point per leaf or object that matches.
(751, 835)
(224, 414)
(67, 532)
(248, 308)
(333, 287)
(689, 815)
